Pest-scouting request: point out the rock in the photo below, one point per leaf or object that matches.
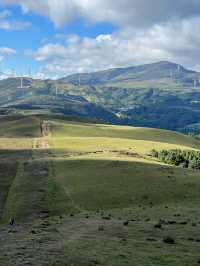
(101, 228)
(33, 232)
(183, 223)
(151, 239)
(126, 223)
(171, 222)
(94, 262)
(106, 218)
(168, 240)
(158, 226)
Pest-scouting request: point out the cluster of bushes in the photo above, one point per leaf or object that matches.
(186, 159)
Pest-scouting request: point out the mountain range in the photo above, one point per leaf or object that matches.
(161, 95)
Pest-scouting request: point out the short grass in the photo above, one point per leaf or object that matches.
(95, 196)
(108, 184)
(26, 195)
(16, 143)
(70, 129)
(19, 133)
(110, 144)
(7, 174)
(20, 127)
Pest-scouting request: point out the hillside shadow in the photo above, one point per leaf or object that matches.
(98, 184)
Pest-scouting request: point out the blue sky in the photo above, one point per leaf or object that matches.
(41, 31)
(57, 38)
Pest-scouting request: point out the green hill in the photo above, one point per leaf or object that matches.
(79, 186)
(161, 95)
(80, 143)
(159, 71)
(84, 192)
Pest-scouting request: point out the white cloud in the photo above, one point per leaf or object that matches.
(5, 51)
(149, 30)
(6, 23)
(176, 41)
(122, 12)
(50, 52)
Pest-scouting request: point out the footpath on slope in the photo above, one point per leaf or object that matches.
(25, 197)
(45, 132)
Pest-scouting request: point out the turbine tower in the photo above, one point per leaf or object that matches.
(195, 83)
(79, 80)
(21, 83)
(56, 89)
(171, 74)
(178, 69)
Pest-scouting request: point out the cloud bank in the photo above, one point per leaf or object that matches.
(147, 31)
(122, 12)
(176, 41)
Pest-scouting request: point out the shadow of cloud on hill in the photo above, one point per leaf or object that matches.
(106, 184)
(57, 186)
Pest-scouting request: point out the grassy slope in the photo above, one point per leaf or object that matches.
(100, 156)
(67, 179)
(18, 133)
(7, 174)
(89, 136)
(120, 184)
(20, 127)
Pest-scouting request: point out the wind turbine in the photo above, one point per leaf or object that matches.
(178, 69)
(79, 80)
(56, 89)
(22, 86)
(195, 83)
(171, 74)
(21, 82)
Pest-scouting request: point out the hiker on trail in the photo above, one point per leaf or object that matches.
(12, 221)
(41, 127)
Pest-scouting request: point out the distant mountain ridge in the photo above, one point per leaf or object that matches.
(154, 71)
(161, 95)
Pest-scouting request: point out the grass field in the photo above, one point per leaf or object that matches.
(93, 196)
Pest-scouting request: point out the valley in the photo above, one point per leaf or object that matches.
(161, 95)
(99, 133)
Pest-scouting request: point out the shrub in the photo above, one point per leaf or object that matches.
(186, 159)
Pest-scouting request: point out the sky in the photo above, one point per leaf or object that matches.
(56, 38)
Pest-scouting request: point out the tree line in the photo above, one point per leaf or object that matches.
(187, 159)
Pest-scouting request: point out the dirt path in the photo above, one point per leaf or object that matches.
(46, 133)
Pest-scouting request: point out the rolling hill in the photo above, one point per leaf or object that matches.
(83, 193)
(150, 72)
(160, 95)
